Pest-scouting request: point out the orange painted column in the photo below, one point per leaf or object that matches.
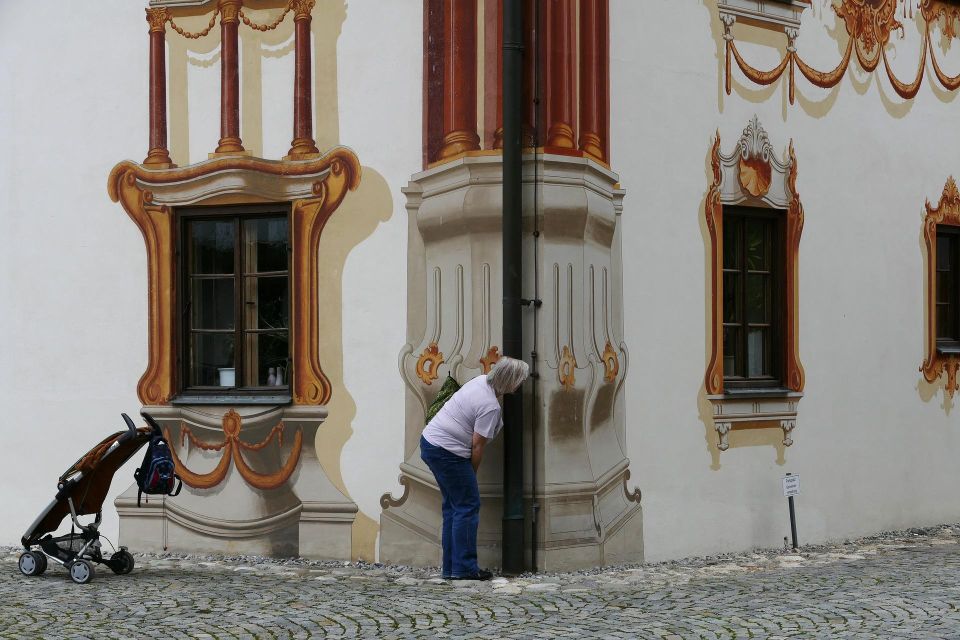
(302, 145)
(493, 73)
(594, 77)
(560, 73)
(531, 57)
(158, 155)
(459, 78)
(229, 78)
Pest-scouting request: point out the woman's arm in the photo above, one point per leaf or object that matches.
(476, 454)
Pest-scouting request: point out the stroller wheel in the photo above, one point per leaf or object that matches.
(81, 571)
(32, 563)
(121, 562)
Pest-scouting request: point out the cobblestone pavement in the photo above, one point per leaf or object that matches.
(900, 585)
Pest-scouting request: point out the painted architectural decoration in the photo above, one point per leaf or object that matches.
(257, 506)
(752, 175)
(316, 244)
(454, 249)
(937, 359)
(869, 26)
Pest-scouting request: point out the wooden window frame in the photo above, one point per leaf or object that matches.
(239, 214)
(778, 319)
(940, 356)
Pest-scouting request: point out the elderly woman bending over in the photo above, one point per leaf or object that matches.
(452, 446)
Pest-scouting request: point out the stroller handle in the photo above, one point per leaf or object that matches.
(150, 420)
(131, 428)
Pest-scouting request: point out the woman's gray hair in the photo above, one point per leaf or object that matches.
(507, 375)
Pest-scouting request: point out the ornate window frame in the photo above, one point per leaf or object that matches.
(947, 212)
(752, 175)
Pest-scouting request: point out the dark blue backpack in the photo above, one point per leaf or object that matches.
(156, 475)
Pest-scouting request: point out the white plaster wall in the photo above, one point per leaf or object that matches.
(870, 452)
(73, 295)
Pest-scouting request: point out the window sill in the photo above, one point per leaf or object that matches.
(948, 349)
(755, 408)
(231, 400)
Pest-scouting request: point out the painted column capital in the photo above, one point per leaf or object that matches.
(230, 11)
(302, 9)
(158, 18)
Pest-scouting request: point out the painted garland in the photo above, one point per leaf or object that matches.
(232, 446)
(869, 24)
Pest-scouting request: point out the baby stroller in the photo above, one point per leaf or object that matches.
(81, 491)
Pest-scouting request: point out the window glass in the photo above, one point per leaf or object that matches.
(947, 290)
(750, 297)
(236, 332)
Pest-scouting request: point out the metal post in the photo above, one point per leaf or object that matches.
(513, 520)
(793, 521)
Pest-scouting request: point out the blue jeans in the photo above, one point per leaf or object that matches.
(461, 508)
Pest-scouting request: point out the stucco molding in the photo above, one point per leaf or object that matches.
(946, 212)
(752, 174)
(314, 187)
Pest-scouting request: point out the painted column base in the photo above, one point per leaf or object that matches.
(305, 515)
(410, 528)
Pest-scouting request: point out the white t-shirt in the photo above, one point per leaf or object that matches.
(474, 408)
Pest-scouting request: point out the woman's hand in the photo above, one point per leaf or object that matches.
(476, 454)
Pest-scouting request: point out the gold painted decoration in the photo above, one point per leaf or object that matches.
(869, 25)
(341, 170)
(754, 145)
(755, 175)
(158, 18)
(232, 446)
(487, 362)
(611, 363)
(947, 212)
(428, 363)
(568, 368)
(713, 212)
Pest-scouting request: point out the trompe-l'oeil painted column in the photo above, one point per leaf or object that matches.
(560, 73)
(229, 78)
(303, 145)
(459, 78)
(594, 77)
(158, 156)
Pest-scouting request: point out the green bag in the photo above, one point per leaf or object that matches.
(450, 386)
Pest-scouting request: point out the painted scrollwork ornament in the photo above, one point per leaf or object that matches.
(946, 212)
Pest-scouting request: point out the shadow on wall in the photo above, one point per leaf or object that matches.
(353, 222)
(746, 435)
(927, 390)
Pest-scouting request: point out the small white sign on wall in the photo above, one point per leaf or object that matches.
(791, 485)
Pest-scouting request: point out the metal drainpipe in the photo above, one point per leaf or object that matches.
(513, 520)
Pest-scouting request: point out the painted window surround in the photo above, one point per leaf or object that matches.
(315, 188)
(751, 175)
(946, 212)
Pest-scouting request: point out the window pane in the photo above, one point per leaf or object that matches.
(758, 245)
(943, 253)
(758, 298)
(267, 303)
(731, 297)
(267, 355)
(211, 359)
(731, 351)
(731, 243)
(945, 328)
(212, 303)
(266, 244)
(757, 353)
(211, 246)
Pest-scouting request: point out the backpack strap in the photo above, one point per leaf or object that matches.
(179, 485)
(139, 493)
